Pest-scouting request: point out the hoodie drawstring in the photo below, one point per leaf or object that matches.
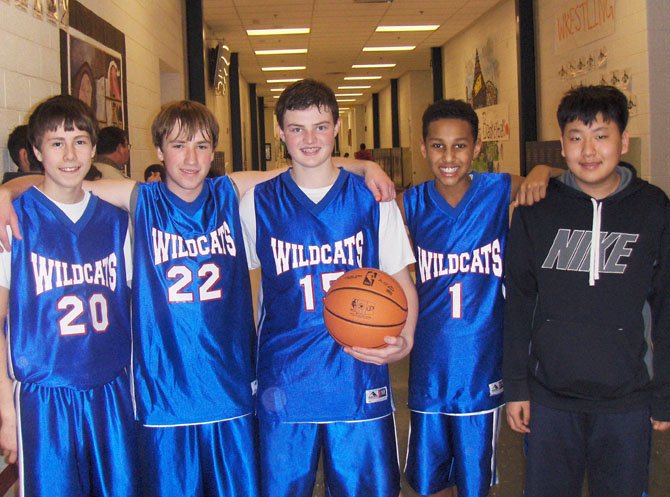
(594, 263)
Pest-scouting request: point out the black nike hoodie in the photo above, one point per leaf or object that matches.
(576, 312)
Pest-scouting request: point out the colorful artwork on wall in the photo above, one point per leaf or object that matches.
(95, 78)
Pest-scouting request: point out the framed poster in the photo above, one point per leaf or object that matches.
(95, 78)
(93, 62)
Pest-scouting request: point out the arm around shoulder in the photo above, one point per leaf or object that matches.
(8, 192)
(115, 191)
(8, 441)
(533, 188)
(246, 180)
(381, 186)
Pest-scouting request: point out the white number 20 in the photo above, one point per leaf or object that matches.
(75, 307)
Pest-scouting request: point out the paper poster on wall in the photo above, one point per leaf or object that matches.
(579, 22)
(481, 80)
(488, 160)
(95, 78)
(493, 123)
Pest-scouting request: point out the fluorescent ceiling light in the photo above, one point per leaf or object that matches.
(348, 94)
(353, 78)
(274, 32)
(400, 29)
(284, 51)
(404, 48)
(362, 87)
(344, 108)
(277, 89)
(284, 68)
(346, 99)
(371, 66)
(275, 96)
(285, 80)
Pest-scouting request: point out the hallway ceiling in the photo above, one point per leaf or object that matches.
(339, 29)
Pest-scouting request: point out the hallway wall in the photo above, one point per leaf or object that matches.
(30, 65)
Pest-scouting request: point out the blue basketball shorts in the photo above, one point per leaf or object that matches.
(359, 458)
(446, 450)
(77, 443)
(612, 448)
(203, 460)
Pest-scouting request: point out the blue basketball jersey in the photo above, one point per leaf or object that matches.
(303, 374)
(69, 317)
(456, 362)
(193, 328)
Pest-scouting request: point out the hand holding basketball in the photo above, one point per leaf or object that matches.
(363, 306)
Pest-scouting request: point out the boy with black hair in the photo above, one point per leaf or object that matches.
(65, 307)
(458, 223)
(577, 309)
(21, 154)
(113, 153)
(305, 228)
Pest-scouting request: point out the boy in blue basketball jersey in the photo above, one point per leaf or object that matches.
(193, 329)
(458, 224)
(305, 228)
(65, 403)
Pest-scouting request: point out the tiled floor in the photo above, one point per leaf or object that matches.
(510, 456)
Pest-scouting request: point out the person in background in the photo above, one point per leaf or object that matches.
(154, 172)
(363, 153)
(113, 153)
(21, 154)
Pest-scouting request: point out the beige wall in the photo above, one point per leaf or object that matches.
(637, 45)
(494, 36)
(154, 57)
(385, 120)
(658, 36)
(415, 93)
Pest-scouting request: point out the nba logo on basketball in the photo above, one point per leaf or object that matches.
(370, 278)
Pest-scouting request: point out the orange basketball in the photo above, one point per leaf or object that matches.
(363, 306)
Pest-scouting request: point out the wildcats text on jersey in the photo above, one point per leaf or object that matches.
(289, 255)
(571, 248)
(52, 273)
(169, 246)
(482, 260)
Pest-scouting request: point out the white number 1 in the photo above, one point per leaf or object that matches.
(456, 300)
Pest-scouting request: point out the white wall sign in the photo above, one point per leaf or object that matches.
(493, 123)
(582, 21)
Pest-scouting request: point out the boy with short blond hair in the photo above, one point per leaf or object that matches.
(583, 269)
(64, 302)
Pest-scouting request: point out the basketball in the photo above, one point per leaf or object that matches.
(363, 306)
